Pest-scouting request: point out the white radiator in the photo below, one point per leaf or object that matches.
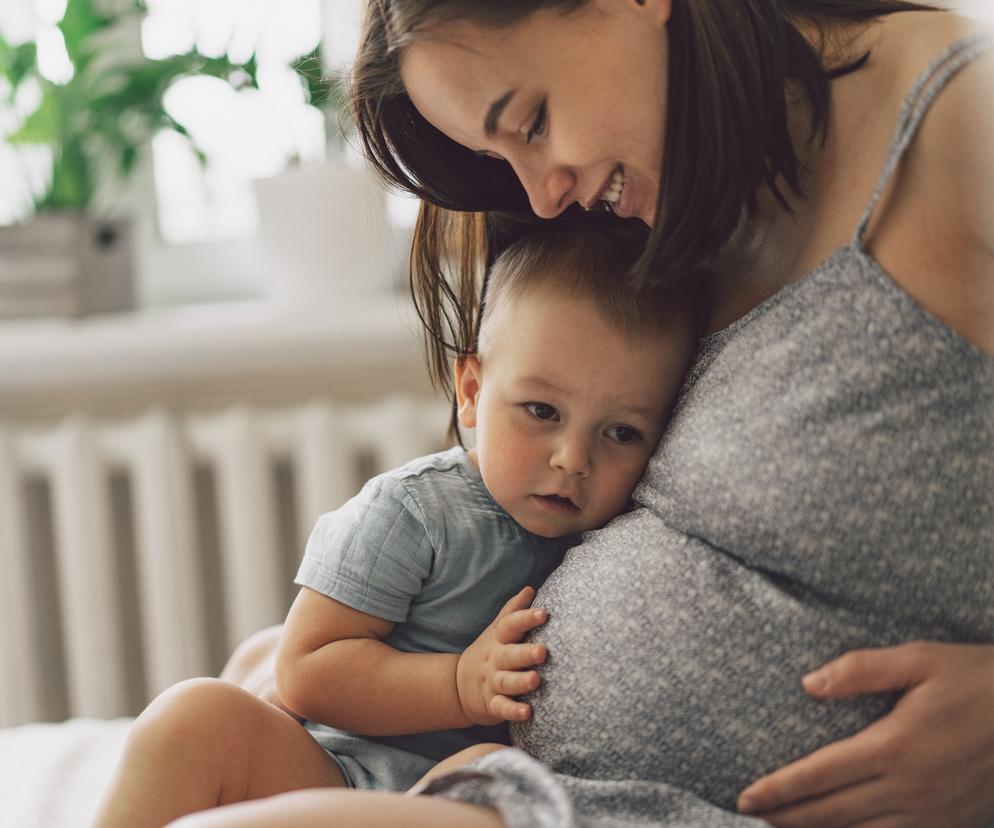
(136, 552)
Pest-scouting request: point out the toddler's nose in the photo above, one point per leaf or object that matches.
(572, 457)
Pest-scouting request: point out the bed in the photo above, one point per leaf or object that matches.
(53, 775)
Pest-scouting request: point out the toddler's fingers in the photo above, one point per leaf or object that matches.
(509, 709)
(511, 628)
(520, 601)
(516, 683)
(520, 656)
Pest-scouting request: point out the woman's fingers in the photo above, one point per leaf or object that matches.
(939, 729)
(513, 627)
(870, 671)
(521, 656)
(509, 709)
(838, 765)
(856, 804)
(510, 683)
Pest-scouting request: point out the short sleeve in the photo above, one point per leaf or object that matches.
(373, 554)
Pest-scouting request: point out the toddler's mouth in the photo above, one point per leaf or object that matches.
(558, 503)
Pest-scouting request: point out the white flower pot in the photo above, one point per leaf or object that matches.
(326, 236)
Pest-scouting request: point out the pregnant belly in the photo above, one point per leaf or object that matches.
(670, 661)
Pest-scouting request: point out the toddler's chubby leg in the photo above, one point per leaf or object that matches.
(205, 743)
(456, 760)
(346, 809)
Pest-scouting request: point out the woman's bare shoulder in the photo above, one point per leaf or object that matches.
(934, 231)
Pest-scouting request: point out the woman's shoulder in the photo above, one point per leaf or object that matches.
(933, 231)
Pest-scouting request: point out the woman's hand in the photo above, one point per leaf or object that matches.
(495, 666)
(252, 666)
(928, 762)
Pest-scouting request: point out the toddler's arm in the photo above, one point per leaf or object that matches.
(333, 667)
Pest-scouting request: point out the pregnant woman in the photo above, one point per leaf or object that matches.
(825, 492)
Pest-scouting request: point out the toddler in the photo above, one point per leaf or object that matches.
(405, 645)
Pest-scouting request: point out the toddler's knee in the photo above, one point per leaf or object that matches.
(191, 712)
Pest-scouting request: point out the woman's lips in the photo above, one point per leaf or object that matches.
(603, 197)
(623, 207)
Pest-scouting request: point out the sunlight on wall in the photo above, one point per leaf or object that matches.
(980, 9)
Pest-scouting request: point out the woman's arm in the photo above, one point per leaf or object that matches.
(333, 667)
(928, 762)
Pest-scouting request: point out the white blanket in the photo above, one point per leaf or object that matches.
(53, 775)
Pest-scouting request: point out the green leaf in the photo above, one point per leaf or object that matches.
(17, 63)
(44, 124)
(82, 20)
(129, 156)
(324, 90)
(72, 187)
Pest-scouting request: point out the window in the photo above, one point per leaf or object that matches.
(244, 134)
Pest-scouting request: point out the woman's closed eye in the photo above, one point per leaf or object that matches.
(540, 124)
(541, 411)
(624, 434)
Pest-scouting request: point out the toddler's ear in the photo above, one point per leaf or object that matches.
(469, 381)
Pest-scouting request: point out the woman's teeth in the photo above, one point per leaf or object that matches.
(614, 188)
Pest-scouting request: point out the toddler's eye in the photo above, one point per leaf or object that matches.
(624, 434)
(542, 411)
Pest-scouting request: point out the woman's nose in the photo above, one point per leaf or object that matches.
(572, 456)
(549, 189)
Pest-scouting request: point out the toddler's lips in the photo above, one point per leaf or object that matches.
(557, 503)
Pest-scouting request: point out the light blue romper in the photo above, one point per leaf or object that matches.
(427, 547)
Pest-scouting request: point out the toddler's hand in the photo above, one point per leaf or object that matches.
(495, 666)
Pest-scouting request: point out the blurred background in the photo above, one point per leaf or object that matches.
(205, 336)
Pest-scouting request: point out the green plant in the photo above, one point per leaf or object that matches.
(327, 92)
(99, 122)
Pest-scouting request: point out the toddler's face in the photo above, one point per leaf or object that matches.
(567, 410)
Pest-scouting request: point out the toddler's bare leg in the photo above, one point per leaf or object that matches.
(346, 809)
(456, 760)
(205, 743)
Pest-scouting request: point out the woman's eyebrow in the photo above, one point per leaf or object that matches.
(493, 114)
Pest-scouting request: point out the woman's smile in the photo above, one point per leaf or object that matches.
(595, 141)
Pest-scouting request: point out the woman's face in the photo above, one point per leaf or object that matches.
(574, 103)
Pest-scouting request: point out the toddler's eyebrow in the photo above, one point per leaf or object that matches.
(494, 113)
(542, 381)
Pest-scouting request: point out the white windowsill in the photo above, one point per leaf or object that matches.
(210, 354)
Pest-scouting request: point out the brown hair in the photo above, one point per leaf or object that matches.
(589, 256)
(738, 56)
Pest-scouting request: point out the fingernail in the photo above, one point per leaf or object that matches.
(747, 805)
(815, 682)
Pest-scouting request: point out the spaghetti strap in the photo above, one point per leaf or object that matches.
(926, 89)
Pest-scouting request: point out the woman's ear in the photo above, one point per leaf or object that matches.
(469, 381)
(659, 11)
